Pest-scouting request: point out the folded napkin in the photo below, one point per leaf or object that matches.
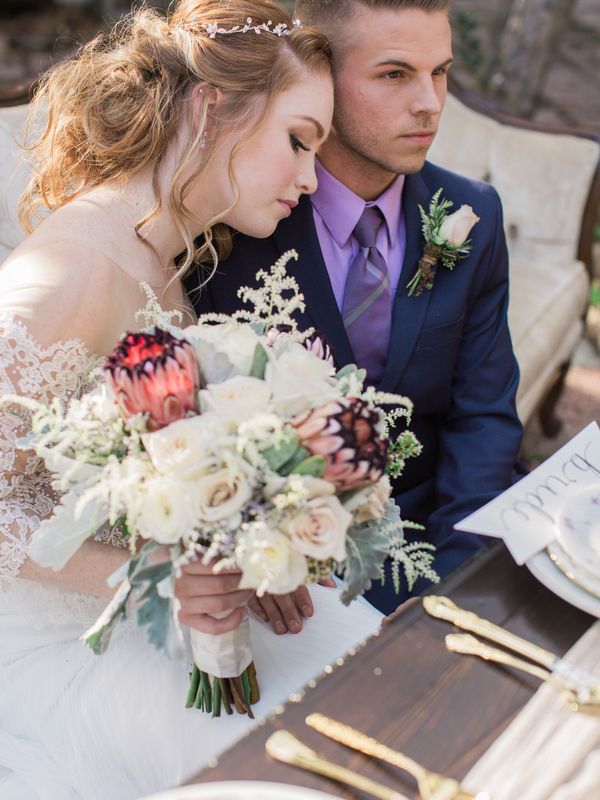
(547, 752)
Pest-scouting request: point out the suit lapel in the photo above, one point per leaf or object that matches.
(298, 232)
(408, 312)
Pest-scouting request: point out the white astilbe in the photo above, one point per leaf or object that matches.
(416, 559)
(153, 314)
(275, 302)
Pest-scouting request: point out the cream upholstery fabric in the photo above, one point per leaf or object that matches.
(546, 304)
(543, 180)
(13, 176)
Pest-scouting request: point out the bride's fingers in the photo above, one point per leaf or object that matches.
(203, 584)
(303, 601)
(255, 606)
(207, 624)
(273, 613)
(215, 604)
(196, 567)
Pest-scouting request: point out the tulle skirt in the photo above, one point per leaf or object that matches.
(76, 726)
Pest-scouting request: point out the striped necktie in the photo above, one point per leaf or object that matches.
(367, 304)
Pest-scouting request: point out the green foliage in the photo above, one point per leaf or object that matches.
(595, 295)
(259, 362)
(366, 550)
(284, 452)
(469, 50)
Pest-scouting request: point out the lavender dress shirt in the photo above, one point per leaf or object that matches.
(336, 210)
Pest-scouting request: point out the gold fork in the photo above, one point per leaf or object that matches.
(285, 747)
(432, 786)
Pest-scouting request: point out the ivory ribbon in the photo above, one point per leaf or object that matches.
(226, 655)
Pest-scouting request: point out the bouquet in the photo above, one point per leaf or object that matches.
(233, 440)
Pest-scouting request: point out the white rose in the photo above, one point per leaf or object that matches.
(320, 529)
(164, 511)
(238, 398)
(298, 380)
(223, 350)
(370, 502)
(185, 448)
(457, 227)
(220, 495)
(268, 562)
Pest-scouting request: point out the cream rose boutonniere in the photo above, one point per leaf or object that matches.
(445, 240)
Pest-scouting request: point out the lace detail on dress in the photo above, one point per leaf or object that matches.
(63, 370)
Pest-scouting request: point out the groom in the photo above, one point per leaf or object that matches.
(449, 348)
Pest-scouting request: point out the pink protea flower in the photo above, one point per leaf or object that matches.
(316, 343)
(345, 433)
(154, 374)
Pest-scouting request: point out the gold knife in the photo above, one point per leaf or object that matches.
(582, 683)
(282, 746)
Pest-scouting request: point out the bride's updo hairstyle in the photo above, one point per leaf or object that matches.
(115, 107)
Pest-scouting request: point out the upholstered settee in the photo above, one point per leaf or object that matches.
(549, 183)
(550, 187)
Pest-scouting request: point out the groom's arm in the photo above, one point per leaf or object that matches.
(480, 437)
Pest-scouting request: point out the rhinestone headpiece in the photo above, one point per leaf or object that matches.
(213, 30)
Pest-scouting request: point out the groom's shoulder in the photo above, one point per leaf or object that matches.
(460, 189)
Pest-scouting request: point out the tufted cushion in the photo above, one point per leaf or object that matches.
(546, 310)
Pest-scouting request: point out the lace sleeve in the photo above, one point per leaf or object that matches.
(27, 368)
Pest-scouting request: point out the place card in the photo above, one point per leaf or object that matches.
(526, 515)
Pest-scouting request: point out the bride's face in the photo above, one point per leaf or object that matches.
(276, 164)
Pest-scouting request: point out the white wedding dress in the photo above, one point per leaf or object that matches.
(76, 726)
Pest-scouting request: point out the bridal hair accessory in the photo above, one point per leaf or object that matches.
(212, 28)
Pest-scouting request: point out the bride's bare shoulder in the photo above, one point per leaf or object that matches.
(59, 288)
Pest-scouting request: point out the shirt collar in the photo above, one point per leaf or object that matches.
(340, 209)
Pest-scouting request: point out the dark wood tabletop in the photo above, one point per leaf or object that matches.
(405, 689)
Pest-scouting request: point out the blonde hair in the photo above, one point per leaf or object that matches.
(116, 106)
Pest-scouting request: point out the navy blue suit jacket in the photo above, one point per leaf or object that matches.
(450, 352)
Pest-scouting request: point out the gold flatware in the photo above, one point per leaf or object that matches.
(466, 644)
(584, 685)
(283, 746)
(432, 786)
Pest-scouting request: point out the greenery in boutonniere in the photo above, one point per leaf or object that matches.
(445, 240)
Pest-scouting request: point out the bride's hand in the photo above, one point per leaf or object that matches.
(203, 593)
(285, 611)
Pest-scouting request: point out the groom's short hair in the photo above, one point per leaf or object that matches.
(328, 14)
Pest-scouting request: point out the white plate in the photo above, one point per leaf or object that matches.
(547, 572)
(241, 790)
(578, 530)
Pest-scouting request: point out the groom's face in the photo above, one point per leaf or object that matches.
(390, 87)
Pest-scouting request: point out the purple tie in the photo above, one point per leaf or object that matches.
(367, 305)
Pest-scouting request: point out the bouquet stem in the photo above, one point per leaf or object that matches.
(217, 658)
(211, 694)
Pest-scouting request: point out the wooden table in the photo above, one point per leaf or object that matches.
(405, 689)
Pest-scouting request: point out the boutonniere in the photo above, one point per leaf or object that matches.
(445, 240)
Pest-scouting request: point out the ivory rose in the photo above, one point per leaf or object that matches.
(220, 495)
(369, 503)
(164, 515)
(268, 562)
(457, 227)
(319, 530)
(298, 380)
(182, 449)
(238, 399)
(223, 350)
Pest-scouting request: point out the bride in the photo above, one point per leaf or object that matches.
(161, 133)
